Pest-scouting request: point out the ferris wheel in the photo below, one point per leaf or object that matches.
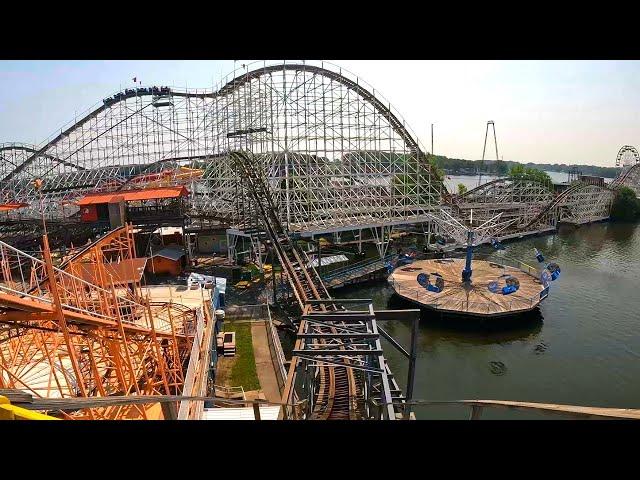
(627, 156)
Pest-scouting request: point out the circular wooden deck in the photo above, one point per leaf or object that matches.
(474, 299)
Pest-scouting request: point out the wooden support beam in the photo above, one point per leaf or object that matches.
(393, 342)
(169, 410)
(22, 316)
(476, 412)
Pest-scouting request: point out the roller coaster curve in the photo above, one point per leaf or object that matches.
(286, 113)
(336, 154)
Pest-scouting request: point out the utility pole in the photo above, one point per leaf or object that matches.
(432, 152)
(37, 184)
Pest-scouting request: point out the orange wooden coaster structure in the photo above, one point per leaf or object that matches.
(62, 336)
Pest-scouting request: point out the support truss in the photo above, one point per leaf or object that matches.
(86, 329)
(335, 153)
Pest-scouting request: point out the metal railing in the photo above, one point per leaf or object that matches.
(228, 391)
(194, 364)
(277, 354)
(25, 404)
(569, 411)
(357, 266)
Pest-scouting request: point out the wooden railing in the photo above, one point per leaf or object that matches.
(25, 401)
(277, 355)
(13, 412)
(571, 411)
(197, 369)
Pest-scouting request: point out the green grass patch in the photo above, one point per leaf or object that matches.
(243, 372)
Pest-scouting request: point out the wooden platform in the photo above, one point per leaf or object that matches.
(475, 299)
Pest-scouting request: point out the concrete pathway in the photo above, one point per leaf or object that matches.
(264, 365)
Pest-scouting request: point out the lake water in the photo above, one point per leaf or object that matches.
(471, 181)
(581, 347)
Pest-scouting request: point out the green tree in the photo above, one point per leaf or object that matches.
(435, 169)
(626, 206)
(462, 189)
(501, 169)
(521, 172)
(517, 171)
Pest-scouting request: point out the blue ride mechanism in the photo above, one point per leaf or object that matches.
(512, 285)
(545, 277)
(554, 269)
(406, 258)
(496, 244)
(467, 272)
(437, 287)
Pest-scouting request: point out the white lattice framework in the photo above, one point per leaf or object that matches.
(630, 178)
(521, 200)
(458, 229)
(585, 203)
(336, 154)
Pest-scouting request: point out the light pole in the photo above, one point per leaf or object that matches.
(432, 152)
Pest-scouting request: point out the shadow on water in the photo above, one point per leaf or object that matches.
(454, 328)
(470, 329)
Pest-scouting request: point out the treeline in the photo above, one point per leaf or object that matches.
(520, 172)
(459, 166)
(626, 206)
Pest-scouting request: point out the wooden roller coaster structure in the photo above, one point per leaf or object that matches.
(335, 347)
(87, 329)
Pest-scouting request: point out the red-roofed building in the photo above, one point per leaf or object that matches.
(117, 207)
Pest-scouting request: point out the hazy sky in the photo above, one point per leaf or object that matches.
(545, 111)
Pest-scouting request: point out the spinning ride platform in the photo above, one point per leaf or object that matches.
(470, 298)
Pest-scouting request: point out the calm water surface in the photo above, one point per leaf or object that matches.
(582, 347)
(471, 181)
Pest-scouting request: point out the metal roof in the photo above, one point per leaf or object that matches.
(329, 260)
(126, 271)
(266, 413)
(172, 253)
(5, 207)
(133, 195)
